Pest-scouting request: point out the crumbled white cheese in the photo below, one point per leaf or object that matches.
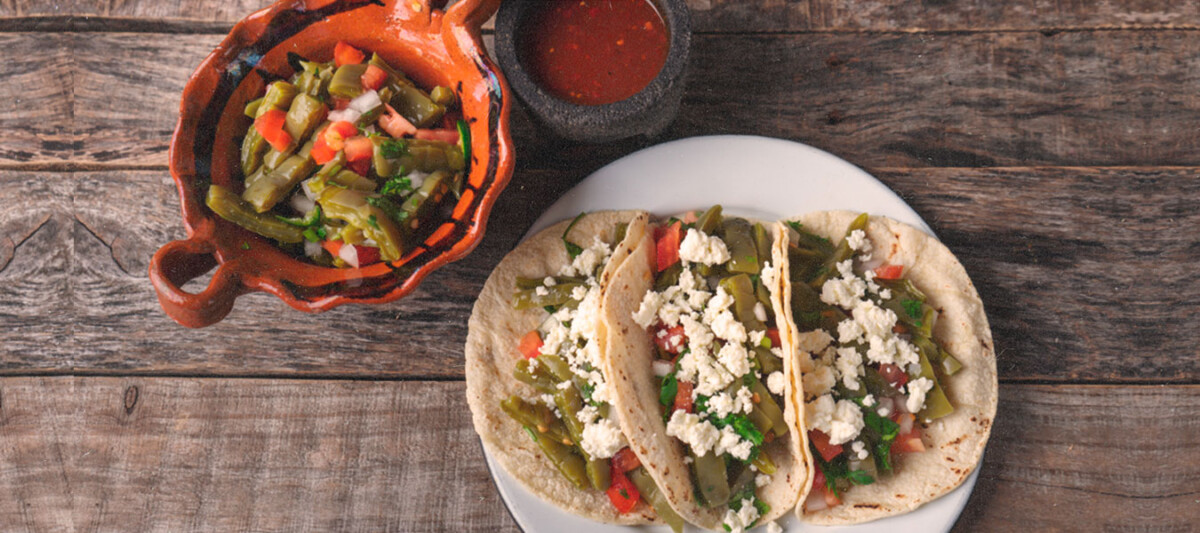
(704, 249)
(769, 277)
(698, 434)
(849, 366)
(541, 290)
(549, 281)
(579, 292)
(744, 401)
(738, 521)
(843, 292)
(868, 400)
(917, 389)
(648, 311)
(818, 381)
(735, 357)
(602, 439)
(762, 480)
(757, 338)
(859, 449)
(727, 327)
(775, 382)
(841, 420)
(857, 240)
(773, 527)
(733, 444)
(586, 262)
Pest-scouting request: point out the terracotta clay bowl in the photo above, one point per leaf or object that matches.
(432, 46)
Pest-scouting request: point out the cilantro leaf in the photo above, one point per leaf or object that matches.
(860, 478)
(670, 387)
(374, 222)
(573, 249)
(390, 208)
(393, 148)
(397, 185)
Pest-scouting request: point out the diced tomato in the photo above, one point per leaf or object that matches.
(354, 255)
(373, 78)
(531, 345)
(893, 375)
(899, 329)
(889, 271)
(667, 247)
(821, 441)
(690, 217)
(773, 334)
(625, 460)
(337, 133)
(362, 167)
(909, 442)
(621, 492)
(270, 126)
(344, 54)
(446, 136)
(358, 148)
(321, 152)
(683, 397)
(672, 341)
(395, 124)
(820, 490)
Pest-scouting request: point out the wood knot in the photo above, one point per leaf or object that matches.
(131, 398)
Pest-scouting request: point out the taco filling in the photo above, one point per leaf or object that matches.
(879, 377)
(562, 360)
(718, 362)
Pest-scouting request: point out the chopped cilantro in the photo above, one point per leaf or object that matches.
(374, 222)
(624, 493)
(389, 208)
(670, 387)
(573, 249)
(245, 245)
(912, 307)
(860, 478)
(532, 435)
(393, 148)
(397, 185)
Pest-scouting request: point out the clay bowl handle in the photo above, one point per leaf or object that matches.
(179, 262)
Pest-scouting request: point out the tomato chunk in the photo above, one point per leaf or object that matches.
(667, 246)
(336, 134)
(270, 126)
(354, 255)
(321, 152)
(909, 442)
(344, 54)
(395, 124)
(819, 488)
(893, 375)
(358, 148)
(773, 334)
(672, 341)
(446, 136)
(683, 397)
(373, 78)
(530, 345)
(625, 460)
(821, 441)
(889, 271)
(623, 495)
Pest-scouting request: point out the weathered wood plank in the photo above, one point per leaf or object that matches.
(995, 99)
(172, 454)
(36, 111)
(721, 15)
(1082, 272)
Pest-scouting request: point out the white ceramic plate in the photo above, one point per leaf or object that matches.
(758, 177)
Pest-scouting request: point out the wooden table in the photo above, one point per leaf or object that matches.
(1051, 145)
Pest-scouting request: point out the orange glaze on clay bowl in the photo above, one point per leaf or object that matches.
(432, 46)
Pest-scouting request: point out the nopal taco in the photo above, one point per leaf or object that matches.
(897, 364)
(537, 382)
(704, 388)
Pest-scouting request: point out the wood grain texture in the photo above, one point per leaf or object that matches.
(897, 100)
(1083, 271)
(166, 454)
(720, 15)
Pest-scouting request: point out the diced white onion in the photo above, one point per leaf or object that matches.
(345, 115)
(876, 261)
(662, 368)
(302, 203)
(417, 178)
(304, 187)
(349, 254)
(885, 405)
(365, 102)
(312, 249)
(906, 424)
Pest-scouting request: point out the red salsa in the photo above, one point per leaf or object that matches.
(593, 52)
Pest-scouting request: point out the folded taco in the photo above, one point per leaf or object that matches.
(540, 397)
(702, 384)
(897, 364)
